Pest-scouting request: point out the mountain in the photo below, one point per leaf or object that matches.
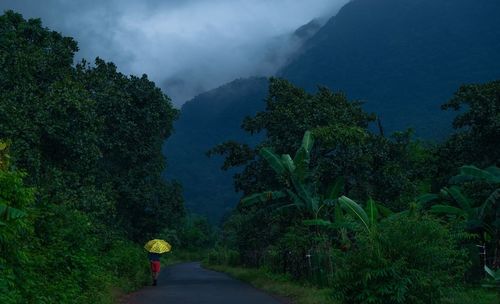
(207, 120)
(403, 58)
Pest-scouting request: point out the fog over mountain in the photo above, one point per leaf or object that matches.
(402, 58)
(186, 47)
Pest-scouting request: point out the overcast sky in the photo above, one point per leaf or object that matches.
(185, 46)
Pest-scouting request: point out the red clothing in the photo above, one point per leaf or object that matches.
(155, 266)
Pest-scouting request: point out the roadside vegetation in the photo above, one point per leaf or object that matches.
(332, 201)
(333, 210)
(80, 171)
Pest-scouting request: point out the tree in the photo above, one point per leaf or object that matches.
(136, 119)
(16, 200)
(480, 215)
(477, 127)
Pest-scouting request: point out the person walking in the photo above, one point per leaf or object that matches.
(154, 260)
(155, 248)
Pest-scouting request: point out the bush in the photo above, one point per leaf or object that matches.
(223, 256)
(408, 260)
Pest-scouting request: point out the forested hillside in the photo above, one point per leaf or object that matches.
(80, 170)
(401, 58)
(207, 120)
(369, 218)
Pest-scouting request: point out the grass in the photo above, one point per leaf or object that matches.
(474, 295)
(298, 293)
(282, 285)
(279, 285)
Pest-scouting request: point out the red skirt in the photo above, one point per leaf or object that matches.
(155, 266)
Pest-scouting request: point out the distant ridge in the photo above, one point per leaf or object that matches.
(403, 58)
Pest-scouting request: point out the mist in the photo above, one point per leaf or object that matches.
(186, 47)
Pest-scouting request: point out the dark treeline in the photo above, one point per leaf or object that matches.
(376, 217)
(81, 170)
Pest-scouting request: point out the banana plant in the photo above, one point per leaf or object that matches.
(301, 190)
(457, 205)
(495, 275)
(368, 216)
(484, 217)
(480, 218)
(490, 175)
(9, 213)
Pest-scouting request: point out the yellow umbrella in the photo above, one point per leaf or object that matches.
(157, 246)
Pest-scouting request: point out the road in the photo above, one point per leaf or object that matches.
(189, 283)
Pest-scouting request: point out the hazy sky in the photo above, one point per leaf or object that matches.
(185, 46)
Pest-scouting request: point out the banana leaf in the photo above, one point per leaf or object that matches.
(372, 211)
(356, 210)
(494, 274)
(8, 213)
(262, 197)
(287, 162)
(490, 201)
(301, 162)
(424, 200)
(287, 206)
(273, 160)
(305, 194)
(298, 202)
(302, 157)
(317, 222)
(339, 215)
(384, 211)
(494, 170)
(308, 141)
(335, 189)
(450, 210)
(467, 173)
(461, 200)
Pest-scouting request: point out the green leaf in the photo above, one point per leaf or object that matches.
(384, 211)
(307, 141)
(356, 210)
(9, 213)
(336, 188)
(491, 174)
(490, 201)
(339, 215)
(262, 197)
(301, 162)
(371, 210)
(317, 222)
(273, 160)
(303, 155)
(461, 200)
(450, 210)
(298, 202)
(494, 274)
(287, 162)
(425, 199)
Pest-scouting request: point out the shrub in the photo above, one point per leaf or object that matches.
(223, 256)
(408, 260)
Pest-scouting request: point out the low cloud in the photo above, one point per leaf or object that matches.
(186, 46)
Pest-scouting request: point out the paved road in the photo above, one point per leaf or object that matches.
(189, 283)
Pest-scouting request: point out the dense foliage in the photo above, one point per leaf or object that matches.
(82, 177)
(405, 58)
(403, 245)
(207, 120)
(410, 260)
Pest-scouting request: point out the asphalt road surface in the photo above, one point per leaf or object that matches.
(189, 283)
